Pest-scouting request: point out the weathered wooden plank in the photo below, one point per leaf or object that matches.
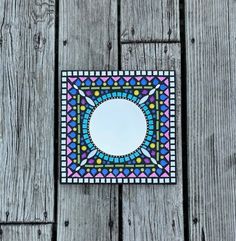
(26, 232)
(26, 109)
(211, 88)
(151, 20)
(88, 40)
(154, 212)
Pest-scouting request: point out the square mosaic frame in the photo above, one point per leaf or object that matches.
(153, 91)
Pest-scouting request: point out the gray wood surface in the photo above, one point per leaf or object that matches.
(88, 40)
(151, 20)
(154, 212)
(211, 113)
(26, 111)
(26, 232)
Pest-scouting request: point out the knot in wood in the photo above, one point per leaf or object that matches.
(39, 41)
(109, 45)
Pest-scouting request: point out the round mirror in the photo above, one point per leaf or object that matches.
(117, 127)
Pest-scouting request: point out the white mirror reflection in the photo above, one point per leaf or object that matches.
(117, 127)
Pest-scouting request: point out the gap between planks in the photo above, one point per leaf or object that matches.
(150, 42)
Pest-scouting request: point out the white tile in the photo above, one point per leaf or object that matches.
(172, 163)
(166, 73)
(131, 72)
(63, 85)
(64, 73)
(63, 180)
(131, 180)
(137, 180)
(63, 174)
(167, 180)
(75, 180)
(63, 135)
(63, 97)
(63, 79)
(172, 141)
(149, 180)
(63, 147)
(144, 72)
(63, 141)
(173, 180)
(161, 180)
(143, 180)
(63, 164)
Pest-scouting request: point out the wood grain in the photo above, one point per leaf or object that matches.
(211, 108)
(154, 212)
(26, 232)
(151, 20)
(26, 111)
(88, 40)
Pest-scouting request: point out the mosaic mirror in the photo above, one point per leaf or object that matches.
(118, 127)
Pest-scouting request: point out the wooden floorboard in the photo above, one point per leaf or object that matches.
(88, 40)
(89, 33)
(27, 111)
(26, 232)
(149, 20)
(154, 212)
(211, 118)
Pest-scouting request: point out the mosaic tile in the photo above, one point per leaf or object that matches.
(82, 161)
